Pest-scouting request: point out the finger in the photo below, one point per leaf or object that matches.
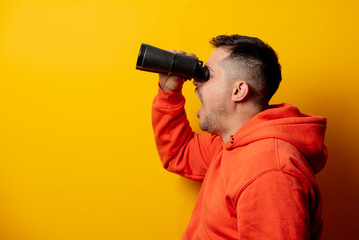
(181, 52)
(177, 78)
(191, 54)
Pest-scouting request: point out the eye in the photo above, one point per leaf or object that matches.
(210, 74)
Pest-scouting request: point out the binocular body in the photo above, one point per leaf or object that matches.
(152, 59)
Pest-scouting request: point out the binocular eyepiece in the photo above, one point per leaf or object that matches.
(152, 59)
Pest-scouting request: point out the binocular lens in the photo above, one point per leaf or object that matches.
(152, 59)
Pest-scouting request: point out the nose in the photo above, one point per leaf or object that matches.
(197, 83)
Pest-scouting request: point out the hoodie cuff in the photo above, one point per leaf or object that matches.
(168, 99)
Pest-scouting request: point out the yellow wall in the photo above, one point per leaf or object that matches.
(77, 156)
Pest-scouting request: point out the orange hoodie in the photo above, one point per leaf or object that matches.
(260, 184)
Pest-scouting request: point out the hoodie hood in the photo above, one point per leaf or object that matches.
(286, 122)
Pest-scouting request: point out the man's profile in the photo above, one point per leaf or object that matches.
(257, 162)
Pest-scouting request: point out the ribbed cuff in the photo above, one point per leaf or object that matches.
(169, 99)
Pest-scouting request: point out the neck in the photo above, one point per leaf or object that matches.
(240, 116)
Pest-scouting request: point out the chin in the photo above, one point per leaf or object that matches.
(203, 127)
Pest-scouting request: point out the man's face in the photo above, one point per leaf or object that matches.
(214, 95)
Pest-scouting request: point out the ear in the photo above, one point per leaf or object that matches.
(240, 91)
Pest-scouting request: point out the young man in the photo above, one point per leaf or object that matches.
(257, 162)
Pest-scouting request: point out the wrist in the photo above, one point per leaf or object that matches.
(169, 99)
(164, 88)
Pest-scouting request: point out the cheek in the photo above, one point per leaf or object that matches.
(209, 97)
(212, 92)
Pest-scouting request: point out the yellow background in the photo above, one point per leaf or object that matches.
(77, 156)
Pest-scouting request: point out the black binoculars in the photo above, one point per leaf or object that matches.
(152, 59)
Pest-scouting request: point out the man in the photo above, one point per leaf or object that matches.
(257, 162)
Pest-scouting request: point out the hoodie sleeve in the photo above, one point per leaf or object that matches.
(180, 149)
(274, 205)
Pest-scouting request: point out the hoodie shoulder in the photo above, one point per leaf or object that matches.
(285, 122)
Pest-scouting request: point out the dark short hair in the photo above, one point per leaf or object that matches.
(251, 48)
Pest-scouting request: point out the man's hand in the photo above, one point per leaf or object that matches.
(172, 83)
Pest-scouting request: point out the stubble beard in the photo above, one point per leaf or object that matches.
(212, 121)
